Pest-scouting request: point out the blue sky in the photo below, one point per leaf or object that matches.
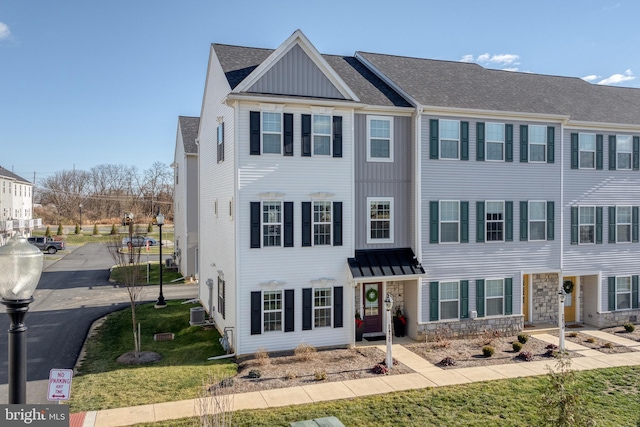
(87, 82)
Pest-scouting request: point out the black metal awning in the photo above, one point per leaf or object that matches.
(384, 263)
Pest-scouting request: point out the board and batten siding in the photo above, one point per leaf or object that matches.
(296, 179)
(384, 179)
(217, 246)
(476, 181)
(296, 74)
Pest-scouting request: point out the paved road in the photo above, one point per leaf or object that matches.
(73, 292)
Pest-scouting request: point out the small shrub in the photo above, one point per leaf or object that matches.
(523, 338)
(304, 352)
(261, 356)
(552, 350)
(607, 345)
(48, 231)
(572, 334)
(448, 361)
(290, 375)
(380, 369)
(527, 356)
(517, 346)
(59, 232)
(591, 340)
(227, 382)
(551, 346)
(629, 327)
(114, 230)
(488, 351)
(150, 228)
(95, 230)
(393, 361)
(77, 229)
(320, 375)
(255, 373)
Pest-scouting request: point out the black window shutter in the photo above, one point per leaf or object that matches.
(599, 151)
(337, 223)
(306, 135)
(464, 299)
(636, 153)
(575, 164)
(289, 304)
(574, 225)
(612, 224)
(288, 134)
(433, 301)
(634, 291)
(598, 224)
(508, 146)
(306, 223)
(464, 222)
(254, 133)
(256, 313)
(611, 293)
(288, 224)
(255, 224)
(433, 222)
(524, 143)
(612, 152)
(551, 220)
(508, 295)
(508, 213)
(307, 309)
(479, 222)
(464, 140)
(338, 311)
(524, 221)
(551, 144)
(433, 139)
(224, 299)
(337, 136)
(634, 224)
(480, 141)
(480, 297)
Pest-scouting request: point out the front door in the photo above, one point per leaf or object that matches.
(570, 302)
(371, 293)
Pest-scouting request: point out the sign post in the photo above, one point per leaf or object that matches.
(59, 384)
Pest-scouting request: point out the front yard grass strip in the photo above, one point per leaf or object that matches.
(611, 395)
(154, 274)
(103, 383)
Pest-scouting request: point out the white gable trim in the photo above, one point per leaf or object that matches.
(297, 38)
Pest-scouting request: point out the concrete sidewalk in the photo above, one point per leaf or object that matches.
(425, 375)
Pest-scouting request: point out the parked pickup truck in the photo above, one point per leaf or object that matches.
(46, 244)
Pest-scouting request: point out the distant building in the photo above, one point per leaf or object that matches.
(16, 205)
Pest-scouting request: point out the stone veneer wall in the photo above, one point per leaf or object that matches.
(396, 289)
(471, 328)
(544, 294)
(615, 318)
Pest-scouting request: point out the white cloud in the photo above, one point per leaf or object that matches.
(618, 78)
(591, 78)
(506, 61)
(4, 31)
(467, 58)
(485, 57)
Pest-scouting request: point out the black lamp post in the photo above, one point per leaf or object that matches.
(21, 266)
(80, 206)
(161, 303)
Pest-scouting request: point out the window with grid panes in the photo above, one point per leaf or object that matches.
(322, 223)
(322, 307)
(271, 223)
(494, 212)
(272, 310)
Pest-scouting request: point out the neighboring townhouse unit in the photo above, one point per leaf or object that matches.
(185, 201)
(16, 205)
(469, 195)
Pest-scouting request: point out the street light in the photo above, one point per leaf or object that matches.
(161, 303)
(80, 206)
(561, 297)
(388, 303)
(21, 266)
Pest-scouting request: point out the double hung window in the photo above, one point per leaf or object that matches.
(537, 143)
(623, 293)
(587, 224)
(271, 132)
(587, 150)
(537, 220)
(495, 221)
(624, 150)
(449, 221)
(322, 223)
(272, 311)
(271, 223)
(623, 224)
(322, 307)
(449, 300)
(449, 139)
(321, 135)
(380, 220)
(494, 297)
(495, 141)
(379, 139)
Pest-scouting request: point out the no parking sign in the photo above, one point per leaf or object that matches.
(59, 384)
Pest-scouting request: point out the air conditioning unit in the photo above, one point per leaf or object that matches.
(472, 314)
(196, 316)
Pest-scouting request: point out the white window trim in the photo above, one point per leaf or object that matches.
(440, 221)
(486, 298)
(262, 223)
(391, 219)
(486, 221)
(314, 223)
(313, 135)
(273, 311)
(440, 300)
(630, 293)
(580, 224)
(320, 307)
(630, 224)
(546, 142)
(630, 153)
(595, 150)
(440, 140)
(380, 159)
(263, 132)
(529, 220)
(487, 141)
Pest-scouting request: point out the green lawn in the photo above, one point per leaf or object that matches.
(154, 274)
(103, 383)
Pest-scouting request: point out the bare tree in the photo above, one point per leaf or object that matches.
(127, 259)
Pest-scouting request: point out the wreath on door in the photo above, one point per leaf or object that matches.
(372, 295)
(568, 286)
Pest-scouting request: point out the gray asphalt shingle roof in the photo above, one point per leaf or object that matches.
(189, 128)
(8, 174)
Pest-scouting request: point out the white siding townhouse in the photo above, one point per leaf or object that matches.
(185, 200)
(470, 195)
(16, 206)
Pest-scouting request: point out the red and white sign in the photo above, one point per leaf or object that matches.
(60, 384)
